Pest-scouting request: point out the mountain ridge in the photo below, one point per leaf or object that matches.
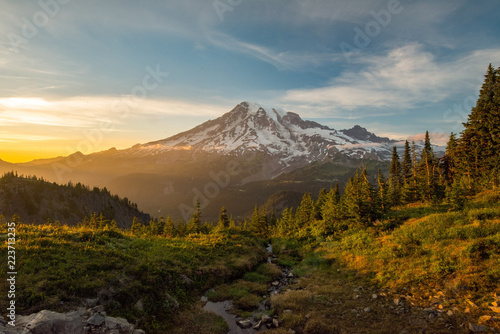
(252, 127)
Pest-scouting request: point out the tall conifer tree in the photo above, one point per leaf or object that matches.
(406, 165)
(394, 187)
(479, 143)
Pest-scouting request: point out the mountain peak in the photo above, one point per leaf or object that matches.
(258, 109)
(283, 135)
(360, 133)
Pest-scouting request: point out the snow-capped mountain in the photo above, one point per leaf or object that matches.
(211, 163)
(280, 134)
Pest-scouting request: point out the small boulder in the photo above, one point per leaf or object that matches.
(266, 319)
(476, 328)
(172, 301)
(97, 319)
(138, 331)
(139, 305)
(46, 322)
(244, 324)
(119, 324)
(257, 325)
(91, 302)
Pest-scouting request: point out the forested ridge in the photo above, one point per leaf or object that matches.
(37, 201)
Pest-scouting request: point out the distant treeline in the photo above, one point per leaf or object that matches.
(38, 201)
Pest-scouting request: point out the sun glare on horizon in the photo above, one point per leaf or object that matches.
(24, 102)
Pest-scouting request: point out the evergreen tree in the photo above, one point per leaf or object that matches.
(181, 229)
(409, 192)
(113, 224)
(331, 210)
(169, 230)
(194, 224)
(479, 143)
(94, 221)
(394, 185)
(259, 224)
(232, 223)
(136, 227)
(382, 191)
(427, 151)
(359, 199)
(305, 212)
(318, 206)
(287, 222)
(449, 160)
(156, 227)
(457, 193)
(102, 221)
(350, 198)
(407, 163)
(429, 180)
(336, 193)
(223, 219)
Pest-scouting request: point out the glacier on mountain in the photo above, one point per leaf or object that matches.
(252, 126)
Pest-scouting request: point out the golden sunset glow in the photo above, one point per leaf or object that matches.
(20, 156)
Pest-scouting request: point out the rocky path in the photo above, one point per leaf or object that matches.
(332, 301)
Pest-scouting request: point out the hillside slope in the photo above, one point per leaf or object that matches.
(37, 201)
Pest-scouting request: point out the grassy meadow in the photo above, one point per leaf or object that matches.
(146, 280)
(431, 257)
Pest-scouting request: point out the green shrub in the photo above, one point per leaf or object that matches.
(484, 248)
(357, 241)
(484, 214)
(256, 277)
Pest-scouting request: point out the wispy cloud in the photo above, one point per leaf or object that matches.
(91, 111)
(8, 137)
(282, 60)
(405, 78)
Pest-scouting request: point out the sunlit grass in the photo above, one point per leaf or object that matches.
(59, 267)
(444, 249)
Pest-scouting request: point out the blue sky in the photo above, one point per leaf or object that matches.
(90, 75)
